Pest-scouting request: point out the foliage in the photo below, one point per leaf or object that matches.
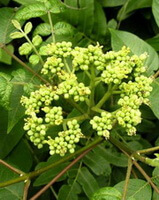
(79, 99)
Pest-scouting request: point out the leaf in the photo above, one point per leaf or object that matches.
(63, 28)
(5, 89)
(6, 27)
(16, 35)
(100, 22)
(50, 174)
(43, 29)
(16, 111)
(4, 57)
(16, 24)
(97, 163)
(114, 158)
(137, 188)
(8, 141)
(30, 11)
(130, 6)
(137, 46)
(13, 192)
(56, 6)
(154, 98)
(112, 3)
(19, 156)
(64, 193)
(6, 2)
(155, 10)
(28, 27)
(25, 2)
(107, 193)
(82, 16)
(87, 181)
(154, 42)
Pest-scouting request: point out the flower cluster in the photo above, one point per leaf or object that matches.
(120, 65)
(133, 94)
(65, 141)
(38, 104)
(83, 58)
(103, 124)
(59, 49)
(71, 88)
(52, 66)
(122, 74)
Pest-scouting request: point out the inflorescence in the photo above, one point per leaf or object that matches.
(122, 73)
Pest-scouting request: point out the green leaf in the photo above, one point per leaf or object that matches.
(64, 193)
(16, 35)
(13, 192)
(97, 163)
(6, 2)
(100, 22)
(155, 10)
(6, 27)
(16, 24)
(50, 174)
(56, 6)
(43, 29)
(87, 181)
(112, 3)
(63, 28)
(9, 141)
(107, 193)
(30, 11)
(130, 6)
(5, 89)
(154, 42)
(28, 27)
(20, 156)
(16, 111)
(137, 46)
(154, 98)
(25, 2)
(4, 57)
(114, 158)
(79, 15)
(139, 189)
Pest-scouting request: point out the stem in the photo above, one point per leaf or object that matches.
(146, 176)
(44, 169)
(98, 110)
(53, 191)
(78, 118)
(75, 105)
(34, 48)
(26, 188)
(22, 63)
(92, 87)
(52, 28)
(60, 174)
(105, 97)
(145, 151)
(127, 179)
(24, 83)
(11, 167)
(66, 65)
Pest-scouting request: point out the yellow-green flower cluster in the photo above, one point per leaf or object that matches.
(66, 140)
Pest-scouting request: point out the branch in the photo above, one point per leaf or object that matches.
(127, 178)
(38, 194)
(146, 176)
(22, 63)
(26, 188)
(44, 169)
(11, 167)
